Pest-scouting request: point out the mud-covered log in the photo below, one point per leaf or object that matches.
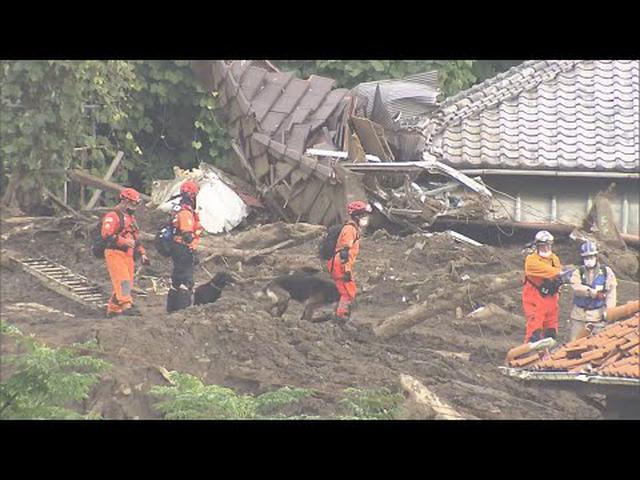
(437, 303)
(432, 406)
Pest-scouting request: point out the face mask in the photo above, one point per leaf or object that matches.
(589, 262)
(546, 254)
(364, 221)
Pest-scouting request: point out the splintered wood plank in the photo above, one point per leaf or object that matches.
(252, 82)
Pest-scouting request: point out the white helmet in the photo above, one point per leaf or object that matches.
(544, 237)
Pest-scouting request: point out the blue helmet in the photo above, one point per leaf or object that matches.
(588, 249)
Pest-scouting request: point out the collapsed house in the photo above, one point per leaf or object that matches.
(301, 143)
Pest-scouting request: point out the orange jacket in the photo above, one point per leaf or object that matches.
(187, 221)
(111, 225)
(537, 268)
(349, 237)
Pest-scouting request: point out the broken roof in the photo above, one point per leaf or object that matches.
(614, 352)
(545, 115)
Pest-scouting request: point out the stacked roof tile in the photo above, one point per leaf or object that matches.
(547, 115)
(614, 352)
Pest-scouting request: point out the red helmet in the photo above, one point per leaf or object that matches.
(130, 194)
(358, 208)
(190, 187)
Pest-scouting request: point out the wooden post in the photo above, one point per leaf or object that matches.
(107, 176)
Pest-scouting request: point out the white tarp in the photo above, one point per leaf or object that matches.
(219, 207)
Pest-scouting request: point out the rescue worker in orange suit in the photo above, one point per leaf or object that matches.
(122, 247)
(540, 297)
(341, 265)
(186, 237)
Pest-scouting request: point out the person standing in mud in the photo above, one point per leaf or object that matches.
(594, 291)
(186, 237)
(340, 266)
(540, 297)
(120, 233)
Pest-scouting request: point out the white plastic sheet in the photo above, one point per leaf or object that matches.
(219, 207)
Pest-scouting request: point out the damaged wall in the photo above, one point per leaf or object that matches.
(573, 199)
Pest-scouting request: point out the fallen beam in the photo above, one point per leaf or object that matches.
(437, 303)
(85, 178)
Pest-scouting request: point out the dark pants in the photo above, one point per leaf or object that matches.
(181, 290)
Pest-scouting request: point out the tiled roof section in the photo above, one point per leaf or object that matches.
(548, 115)
(614, 352)
(287, 109)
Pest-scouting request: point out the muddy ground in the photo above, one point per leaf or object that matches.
(235, 343)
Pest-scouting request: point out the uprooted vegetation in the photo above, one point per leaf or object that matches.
(235, 344)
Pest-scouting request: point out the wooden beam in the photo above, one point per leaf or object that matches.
(85, 178)
(107, 176)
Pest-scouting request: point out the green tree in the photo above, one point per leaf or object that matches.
(45, 107)
(46, 381)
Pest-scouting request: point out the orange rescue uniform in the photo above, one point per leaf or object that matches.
(187, 221)
(119, 258)
(349, 238)
(541, 312)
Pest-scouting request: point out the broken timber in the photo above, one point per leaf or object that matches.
(437, 304)
(62, 280)
(85, 178)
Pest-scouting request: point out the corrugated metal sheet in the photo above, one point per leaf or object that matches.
(412, 96)
(551, 115)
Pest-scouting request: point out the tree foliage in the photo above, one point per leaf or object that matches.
(152, 110)
(46, 381)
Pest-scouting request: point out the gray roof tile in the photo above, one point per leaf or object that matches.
(567, 115)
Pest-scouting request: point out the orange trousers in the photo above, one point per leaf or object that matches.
(347, 290)
(540, 312)
(121, 269)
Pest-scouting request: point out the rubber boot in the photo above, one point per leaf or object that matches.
(183, 297)
(172, 300)
(535, 336)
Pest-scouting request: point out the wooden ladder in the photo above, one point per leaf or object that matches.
(64, 281)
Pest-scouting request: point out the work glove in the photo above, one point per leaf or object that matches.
(145, 260)
(347, 276)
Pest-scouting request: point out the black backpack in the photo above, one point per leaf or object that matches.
(98, 244)
(164, 239)
(327, 246)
